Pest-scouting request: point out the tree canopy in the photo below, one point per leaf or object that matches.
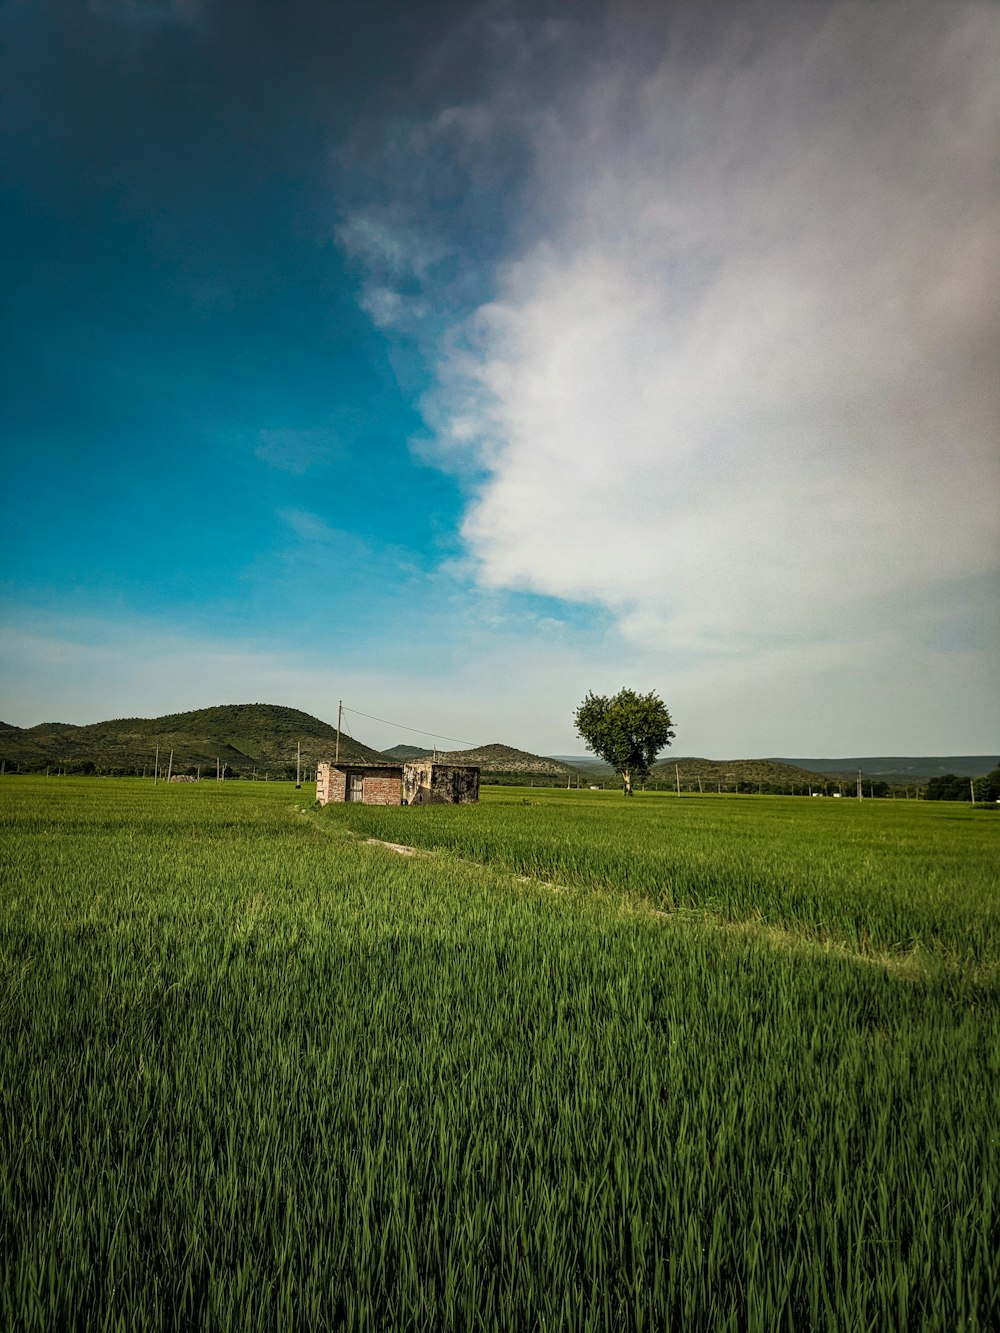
(627, 731)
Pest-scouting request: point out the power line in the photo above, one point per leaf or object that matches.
(436, 734)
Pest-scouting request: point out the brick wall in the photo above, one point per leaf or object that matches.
(380, 786)
(331, 783)
(382, 789)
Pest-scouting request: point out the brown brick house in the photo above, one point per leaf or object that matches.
(372, 784)
(421, 783)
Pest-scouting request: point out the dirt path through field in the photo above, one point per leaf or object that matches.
(778, 936)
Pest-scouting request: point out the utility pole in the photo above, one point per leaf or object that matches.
(677, 778)
(170, 765)
(861, 795)
(701, 789)
(198, 778)
(218, 774)
(156, 766)
(972, 789)
(340, 714)
(298, 766)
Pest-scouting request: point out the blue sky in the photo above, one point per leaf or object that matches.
(456, 359)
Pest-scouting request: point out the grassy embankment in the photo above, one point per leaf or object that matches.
(740, 1071)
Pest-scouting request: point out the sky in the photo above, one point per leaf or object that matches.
(456, 359)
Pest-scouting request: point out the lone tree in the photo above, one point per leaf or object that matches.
(627, 731)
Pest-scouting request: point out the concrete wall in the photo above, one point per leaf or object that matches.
(428, 783)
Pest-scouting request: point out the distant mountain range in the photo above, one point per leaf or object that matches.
(893, 770)
(240, 736)
(710, 772)
(497, 758)
(266, 737)
(904, 769)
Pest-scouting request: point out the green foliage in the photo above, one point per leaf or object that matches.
(259, 1074)
(734, 774)
(627, 731)
(950, 787)
(765, 776)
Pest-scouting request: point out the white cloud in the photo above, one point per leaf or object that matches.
(396, 259)
(744, 391)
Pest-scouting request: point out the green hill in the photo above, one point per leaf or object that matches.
(242, 736)
(730, 774)
(902, 769)
(506, 760)
(403, 752)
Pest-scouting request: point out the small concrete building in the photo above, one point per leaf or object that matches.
(428, 783)
(422, 782)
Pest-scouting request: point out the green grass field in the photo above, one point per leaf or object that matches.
(688, 1063)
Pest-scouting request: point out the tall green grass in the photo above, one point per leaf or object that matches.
(876, 876)
(258, 1074)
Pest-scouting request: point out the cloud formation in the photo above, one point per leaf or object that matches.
(743, 386)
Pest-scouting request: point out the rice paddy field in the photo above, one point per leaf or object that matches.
(566, 1063)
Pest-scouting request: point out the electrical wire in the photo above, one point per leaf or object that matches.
(437, 735)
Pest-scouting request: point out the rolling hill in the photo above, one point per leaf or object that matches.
(242, 736)
(403, 752)
(505, 759)
(245, 737)
(902, 769)
(727, 773)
